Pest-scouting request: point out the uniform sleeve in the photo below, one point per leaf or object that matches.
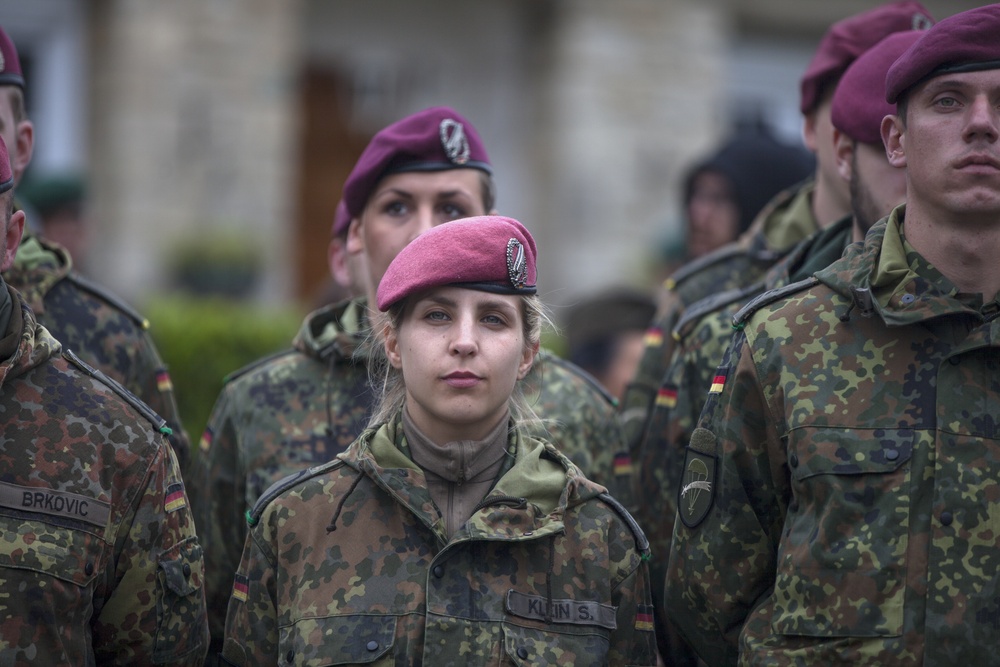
(218, 489)
(151, 609)
(251, 633)
(151, 382)
(633, 642)
(722, 556)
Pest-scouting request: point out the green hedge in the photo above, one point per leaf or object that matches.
(203, 340)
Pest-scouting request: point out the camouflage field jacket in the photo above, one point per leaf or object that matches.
(99, 563)
(840, 499)
(302, 407)
(349, 563)
(99, 327)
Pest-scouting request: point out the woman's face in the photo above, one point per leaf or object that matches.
(460, 351)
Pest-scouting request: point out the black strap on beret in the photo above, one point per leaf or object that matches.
(498, 288)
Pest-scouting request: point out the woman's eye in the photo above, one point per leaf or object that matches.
(436, 316)
(395, 208)
(494, 320)
(453, 211)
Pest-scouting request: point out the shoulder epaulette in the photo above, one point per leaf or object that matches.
(285, 483)
(769, 297)
(113, 299)
(254, 365)
(710, 304)
(158, 422)
(552, 358)
(700, 264)
(640, 537)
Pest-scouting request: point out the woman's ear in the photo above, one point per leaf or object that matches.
(391, 342)
(527, 360)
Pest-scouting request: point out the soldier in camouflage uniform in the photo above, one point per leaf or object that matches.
(446, 535)
(706, 328)
(303, 407)
(99, 563)
(83, 316)
(839, 501)
(787, 221)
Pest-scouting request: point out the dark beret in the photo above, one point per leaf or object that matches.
(850, 37)
(859, 102)
(10, 64)
(430, 140)
(965, 42)
(489, 253)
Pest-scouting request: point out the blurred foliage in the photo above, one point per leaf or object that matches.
(223, 262)
(204, 339)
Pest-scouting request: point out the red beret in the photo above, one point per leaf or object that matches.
(489, 253)
(6, 173)
(430, 140)
(341, 219)
(964, 42)
(859, 102)
(850, 37)
(10, 64)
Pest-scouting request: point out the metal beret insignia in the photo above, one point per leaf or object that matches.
(454, 142)
(517, 266)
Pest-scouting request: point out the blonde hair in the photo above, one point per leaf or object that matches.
(391, 387)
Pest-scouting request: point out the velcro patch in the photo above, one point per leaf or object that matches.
(55, 503)
(572, 612)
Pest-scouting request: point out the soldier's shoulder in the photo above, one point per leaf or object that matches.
(771, 298)
(134, 402)
(106, 297)
(710, 305)
(288, 484)
(265, 365)
(619, 510)
(557, 370)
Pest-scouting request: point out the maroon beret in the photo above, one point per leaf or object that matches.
(341, 219)
(489, 253)
(965, 42)
(859, 102)
(10, 64)
(434, 139)
(6, 173)
(850, 37)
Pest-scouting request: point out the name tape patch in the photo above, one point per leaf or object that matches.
(55, 503)
(572, 612)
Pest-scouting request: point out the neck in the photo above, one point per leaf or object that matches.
(827, 206)
(964, 250)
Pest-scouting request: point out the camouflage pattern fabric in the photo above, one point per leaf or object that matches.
(702, 336)
(99, 327)
(349, 563)
(99, 562)
(839, 502)
(785, 221)
(303, 407)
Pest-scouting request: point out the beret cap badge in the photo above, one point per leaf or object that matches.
(517, 266)
(454, 141)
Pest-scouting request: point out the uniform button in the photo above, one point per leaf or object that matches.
(290, 656)
(794, 461)
(438, 571)
(947, 518)
(891, 455)
(522, 653)
(954, 361)
(88, 569)
(372, 645)
(186, 569)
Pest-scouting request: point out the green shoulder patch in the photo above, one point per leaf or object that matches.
(769, 297)
(698, 483)
(158, 422)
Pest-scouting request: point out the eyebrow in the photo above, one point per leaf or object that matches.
(489, 304)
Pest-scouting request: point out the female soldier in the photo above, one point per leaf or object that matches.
(445, 535)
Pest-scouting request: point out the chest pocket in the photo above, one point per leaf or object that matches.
(841, 561)
(338, 640)
(33, 550)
